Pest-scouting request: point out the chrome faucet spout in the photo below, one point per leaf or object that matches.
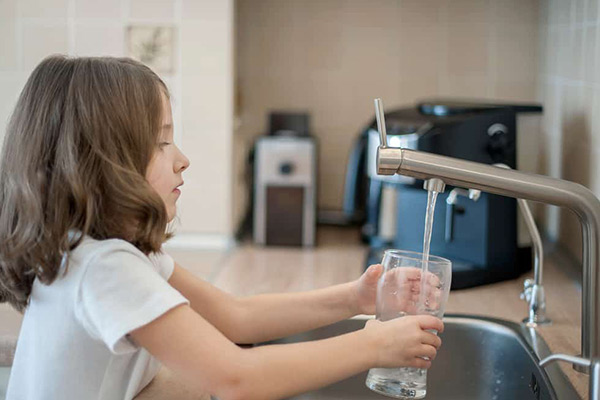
(517, 184)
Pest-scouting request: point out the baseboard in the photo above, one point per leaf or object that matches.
(200, 241)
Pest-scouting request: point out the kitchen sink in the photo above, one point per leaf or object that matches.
(481, 358)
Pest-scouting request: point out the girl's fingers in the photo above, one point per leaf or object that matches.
(427, 351)
(403, 274)
(430, 339)
(420, 363)
(433, 280)
(373, 272)
(429, 322)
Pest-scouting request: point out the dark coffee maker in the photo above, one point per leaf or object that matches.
(476, 231)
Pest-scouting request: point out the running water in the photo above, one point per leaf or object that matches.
(431, 199)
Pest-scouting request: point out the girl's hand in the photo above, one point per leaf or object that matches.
(405, 342)
(365, 290)
(402, 288)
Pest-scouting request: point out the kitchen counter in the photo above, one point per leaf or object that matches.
(339, 256)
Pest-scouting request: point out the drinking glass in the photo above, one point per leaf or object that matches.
(409, 285)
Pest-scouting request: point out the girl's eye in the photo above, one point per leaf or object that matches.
(163, 144)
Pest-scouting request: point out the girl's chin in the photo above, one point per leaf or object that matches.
(171, 213)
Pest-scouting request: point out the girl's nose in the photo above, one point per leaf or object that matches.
(182, 162)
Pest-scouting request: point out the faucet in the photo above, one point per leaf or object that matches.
(520, 185)
(533, 291)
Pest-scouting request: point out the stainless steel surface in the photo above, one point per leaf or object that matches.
(381, 122)
(406, 141)
(594, 391)
(533, 290)
(538, 249)
(481, 358)
(536, 298)
(564, 357)
(434, 184)
(535, 236)
(518, 184)
(592, 365)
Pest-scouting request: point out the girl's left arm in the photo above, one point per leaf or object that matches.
(269, 316)
(220, 309)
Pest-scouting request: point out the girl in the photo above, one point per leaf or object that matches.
(89, 179)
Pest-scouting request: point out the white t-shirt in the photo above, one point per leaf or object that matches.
(74, 341)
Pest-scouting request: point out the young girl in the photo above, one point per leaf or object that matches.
(89, 179)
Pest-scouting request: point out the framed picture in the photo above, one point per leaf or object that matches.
(153, 45)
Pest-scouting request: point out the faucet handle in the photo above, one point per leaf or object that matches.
(579, 363)
(527, 289)
(380, 122)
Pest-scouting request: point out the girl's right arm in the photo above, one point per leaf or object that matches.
(188, 345)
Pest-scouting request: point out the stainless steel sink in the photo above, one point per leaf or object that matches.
(481, 358)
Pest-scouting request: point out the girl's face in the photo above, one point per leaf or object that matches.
(165, 169)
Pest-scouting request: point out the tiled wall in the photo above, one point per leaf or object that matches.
(202, 86)
(570, 89)
(332, 57)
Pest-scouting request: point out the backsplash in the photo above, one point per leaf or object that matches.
(333, 57)
(569, 87)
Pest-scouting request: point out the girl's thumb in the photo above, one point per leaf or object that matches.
(374, 271)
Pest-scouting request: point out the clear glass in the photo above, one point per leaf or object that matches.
(409, 285)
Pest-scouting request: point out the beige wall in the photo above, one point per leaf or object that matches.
(332, 57)
(569, 87)
(201, 87)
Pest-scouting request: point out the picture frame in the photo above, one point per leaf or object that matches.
(153, 45)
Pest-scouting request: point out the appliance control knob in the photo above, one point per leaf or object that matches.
(498, 144)
(497, 129)
(286, 168)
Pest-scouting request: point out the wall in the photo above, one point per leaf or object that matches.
(333, 57)
(570, 89)
(201, 87)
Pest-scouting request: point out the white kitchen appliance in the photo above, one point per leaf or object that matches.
(285, 191)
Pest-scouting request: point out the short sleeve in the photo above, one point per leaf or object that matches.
(120, 291)
(164, 264)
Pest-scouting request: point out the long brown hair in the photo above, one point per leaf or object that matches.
(74, 160)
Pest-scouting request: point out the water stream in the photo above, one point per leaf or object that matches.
(431, 199)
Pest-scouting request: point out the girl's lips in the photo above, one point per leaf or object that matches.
(177, 188)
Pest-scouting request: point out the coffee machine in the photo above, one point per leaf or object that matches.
(476, 231)
(284, 182)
